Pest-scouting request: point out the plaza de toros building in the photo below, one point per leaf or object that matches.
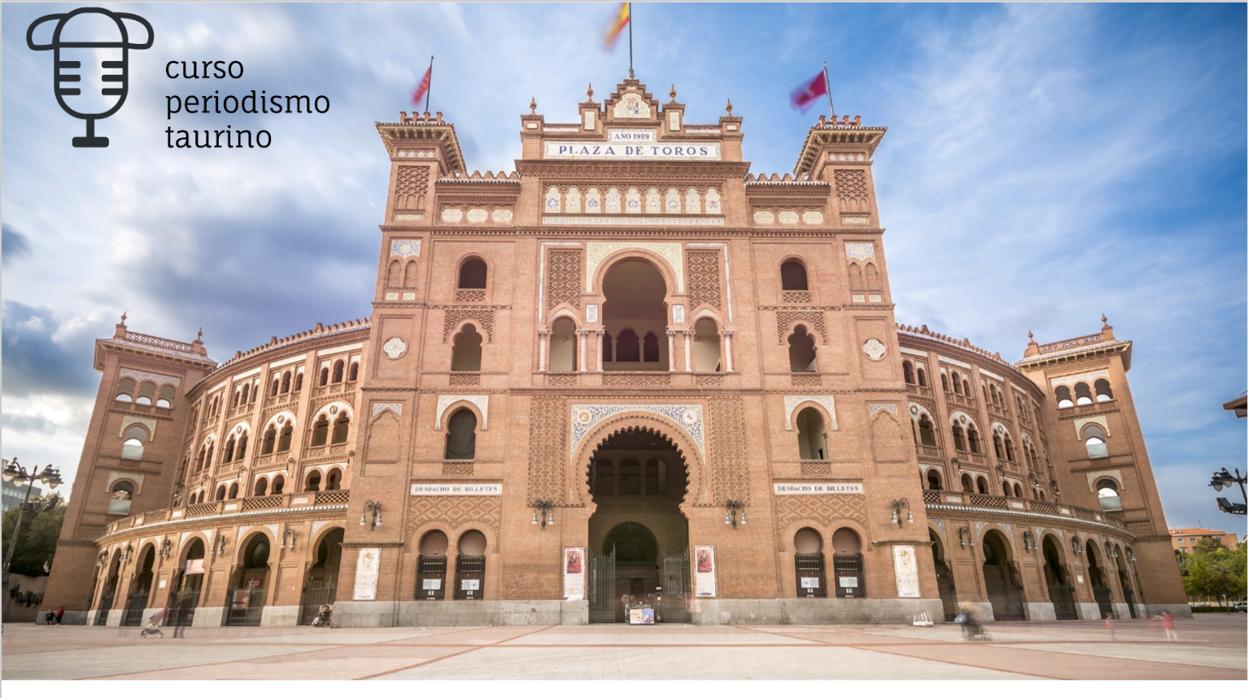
(630, 380)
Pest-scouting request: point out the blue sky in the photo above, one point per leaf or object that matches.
(1044, 164)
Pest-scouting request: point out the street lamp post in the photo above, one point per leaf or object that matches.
(18, 475)
(1224, 478)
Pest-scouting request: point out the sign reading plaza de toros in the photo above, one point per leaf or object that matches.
(630, 144)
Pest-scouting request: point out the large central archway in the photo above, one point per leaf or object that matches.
(638, 537)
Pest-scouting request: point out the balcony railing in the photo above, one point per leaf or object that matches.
(930, 453)
(1011, 504)
(329, 498)
(960, 400)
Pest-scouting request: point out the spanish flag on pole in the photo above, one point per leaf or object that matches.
(623, 15)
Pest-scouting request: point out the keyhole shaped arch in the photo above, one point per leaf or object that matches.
(579, 467)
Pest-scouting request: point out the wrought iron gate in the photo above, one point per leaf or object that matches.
(850, 580)
(811, 579)
(1063, 598)
(674, 607)
(321, 591)
(182, 607)
(602, 587)
(470, 577)
(246, 606)
(430, 577)
(135, 605)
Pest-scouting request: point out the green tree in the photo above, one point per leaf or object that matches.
(37, 544)
(1211, 572)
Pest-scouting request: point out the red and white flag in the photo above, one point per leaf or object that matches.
(810, 91)
(423, 87)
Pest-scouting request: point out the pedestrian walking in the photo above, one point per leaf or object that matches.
(60, 615)
(179, 627)
(1167, 622)
(1109, 625)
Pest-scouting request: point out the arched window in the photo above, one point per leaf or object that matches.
(299, 380)
(246, 393)
(220, 493)
(234, 398)
(1103, 393)
(234, 491)
(808, 564)
(972, 439)
(981, 484)
(1009, 448)
(933, 480)
(944, 382)
(1107, 493)
(563, 345)
(470, 566)
(353, 374)
(285, 382)
(120, 497)
(333, 481)
(409, 274)
(461, 435)
(922, 377)
(147, 393)
(650, 348)
(855, 277)
(466, 352)
(132, 443)
(1018, 490)
(959, 438)
(1083, 396)
(338, 367)
(927, 431)
(269, 441)
(873, 277)
(313, 481)
(608, 346)
(966, 387)
(997, 447)
(165, 401)
(261, 488)
(968, 485)
(279, 483)
(1062, 394)
(341, 426)
(394, 274)
(324, 376)
(125, 390)
(228, 454)
(812, 438)
(275, 386)
(283, 441)
(801, 351)
(472, 273)
(320, 431)
(241, 453)
(628, 346)
(431, 566)
(793, 276)
(907, 372)
(957, 383)
(847, 567)
(1094, 441)
(706, 357)
(1005, 487)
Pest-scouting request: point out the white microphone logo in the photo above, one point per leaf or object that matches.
(91, 54)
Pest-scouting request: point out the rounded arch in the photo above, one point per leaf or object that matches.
(958, 417)
(829, 419)
(676, 435)
(472, 272)
(454, 406)
(194, 544)
(289, 418)
(342, 407)
(794, 275)
(247, 552)
(793, 324)
(672, 281)
(1000, 539)
(321, 538)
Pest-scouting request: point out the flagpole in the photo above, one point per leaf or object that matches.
(630, 40)
(430, 88)
(827, 85)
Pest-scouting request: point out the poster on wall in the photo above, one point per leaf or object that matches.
(366, 566)
(704, 570)
(906, 570)
(573, 574)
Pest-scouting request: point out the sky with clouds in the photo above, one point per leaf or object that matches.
(1044, 164)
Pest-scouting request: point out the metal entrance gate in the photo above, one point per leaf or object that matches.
(315, 594)
(1063, 597)
(182, 607)
(811, 579)
(246, 606)
(674, 607)
(601, 587)
(135, 605)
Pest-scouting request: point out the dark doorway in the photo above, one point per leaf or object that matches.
(639, 539)
(1057, 577)
(245, 604)
(1002, 579)
(321, 585)
(140, 588)
(944, 579)
(1100, 587)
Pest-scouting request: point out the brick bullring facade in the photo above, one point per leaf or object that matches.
(629, 378)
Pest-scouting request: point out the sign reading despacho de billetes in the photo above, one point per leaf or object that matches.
(457, 489)
(818, 487)
(607, 150)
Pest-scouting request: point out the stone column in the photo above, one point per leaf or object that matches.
(599, 333)
(671, 349)
(582, 336)
(688, 351)
(727, 350)
(543, 340)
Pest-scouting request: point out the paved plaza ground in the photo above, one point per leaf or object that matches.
(1209, 648)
